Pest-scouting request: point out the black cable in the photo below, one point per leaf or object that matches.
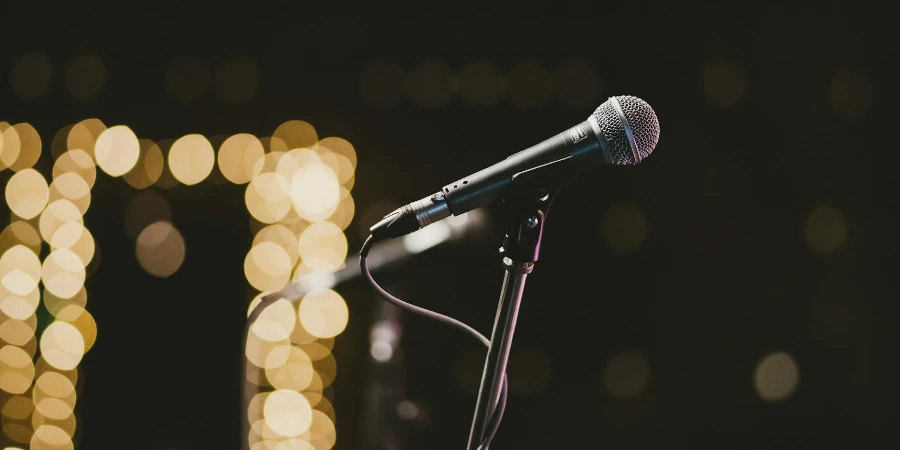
(497, 413)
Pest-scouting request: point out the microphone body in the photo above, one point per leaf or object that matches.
(606, 137)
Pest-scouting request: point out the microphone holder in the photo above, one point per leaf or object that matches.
(526, 203)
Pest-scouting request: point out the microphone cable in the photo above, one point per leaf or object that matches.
(497, 413)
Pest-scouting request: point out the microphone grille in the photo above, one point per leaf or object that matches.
(623, 115)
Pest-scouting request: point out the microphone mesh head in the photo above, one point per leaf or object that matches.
(639, 117)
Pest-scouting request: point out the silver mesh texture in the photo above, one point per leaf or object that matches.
(644, 127)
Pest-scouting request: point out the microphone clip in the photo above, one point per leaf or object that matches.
(527, 201)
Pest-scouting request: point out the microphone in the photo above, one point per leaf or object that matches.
(622, 131)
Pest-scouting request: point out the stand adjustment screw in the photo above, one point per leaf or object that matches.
(530, 222)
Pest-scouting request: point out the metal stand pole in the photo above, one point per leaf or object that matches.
(527, 201)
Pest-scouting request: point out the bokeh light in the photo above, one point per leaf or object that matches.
(268, 197)
(283, 237)
(72, 187)
(84, 135)
(63, 273)
(17, 332)
(238, 156)
(323, 246)
(287, 413)
(57, 214)
(62, 345)
(276, 322)
(81, 319)
(47, 437)
(20, 232)
(295, 374)
(143, 209)
(323, 313)
(117, 150)
(826, 229)
(148, 168)
(160, 249)
(54, 395)
(315, 192)
(776, 376)
(191, 159)
(626, 374)
(76, 161)
(27, 193)
(623, 228)
(26, 142)
(9, 145)
(294, 134)
(16, 370)
(267, 266)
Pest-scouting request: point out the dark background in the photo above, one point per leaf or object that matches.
(769, 113)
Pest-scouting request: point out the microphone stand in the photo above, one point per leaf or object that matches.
(527, 201)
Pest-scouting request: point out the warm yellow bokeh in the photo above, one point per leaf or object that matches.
(72, 187)
(47, 437)
(27, 193)
(79, 162)
(267, 266)
(191, 159)
(63, 273)
(16, 370)
(283, 237)
(160, 249)
(323, 313)
(57, 214)
(29, 145)
(323, 247)
(287, 412)
(149, 166)
(295, 134)
(84, 135)
(268, 197)
(62, 345)
(238, 156)
(117, 150)
(315, 192)
(276, 322)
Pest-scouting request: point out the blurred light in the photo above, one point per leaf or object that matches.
(315, 192)
(17, 332)
(117, 150)
(16, 306)
(723, 83)
(70, 186)
(267, 266)
(18, 432)
(276, 322)
(166, 179)
(826, 229)
(267, 354)
(326, 369)
(480, 84)
(381, 84)
(84, 77)
(237, 80)
(776, 376)
(145, 208)
(529, 371)
(317, 349)
(27, 193)
(160, 249)
(343, 214)
(626, 374)
(186, 79)
(427, 237)
(283, 237)
(58, 144)
(74, 236)
(323, 246)
(57, 214)
(287, 413)
(84, 135)
(62, 345)
(17, 407)
(149, 166)
(295, 374)
(67, 425)
(577, 84)
(56, 304)
(31, 75)
(430, 84)
(238, 156)
(851, 94)
(20, 270)
(24, 138)
(20, 232)
(321, 430)
(340, 155)
(47, 437)
(16, 370)
(191, 159)
(323, 313)
(623, 228)
(268, 197)
(528, 85)
(78, 162)
(294, 134)
(63, 273)
(54, 396)
(83, 321)
(9, 145)
(407, 410)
